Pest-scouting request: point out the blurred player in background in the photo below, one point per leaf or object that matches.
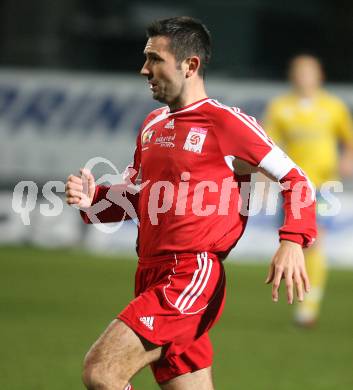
(310, 124)
(194, 153)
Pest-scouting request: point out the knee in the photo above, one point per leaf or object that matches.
(93, 377)
(96, 376)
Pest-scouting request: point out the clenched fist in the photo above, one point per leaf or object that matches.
(80, 189)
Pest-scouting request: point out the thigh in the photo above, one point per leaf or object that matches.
(119, 350)
(197, 380)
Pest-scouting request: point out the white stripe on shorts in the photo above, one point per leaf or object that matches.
(197, 290)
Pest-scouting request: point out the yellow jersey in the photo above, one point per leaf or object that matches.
(310, 130)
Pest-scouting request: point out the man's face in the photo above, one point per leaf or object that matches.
(165, 76)
(306, 74)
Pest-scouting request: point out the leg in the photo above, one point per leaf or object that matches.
(197, 380)
(116, 357)
(307, 312)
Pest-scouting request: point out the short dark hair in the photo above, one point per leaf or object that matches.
(188, 36)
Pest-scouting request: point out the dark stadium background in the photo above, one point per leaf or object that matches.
(61, 283)
(252, 39)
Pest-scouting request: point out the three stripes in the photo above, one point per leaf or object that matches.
(197, 285)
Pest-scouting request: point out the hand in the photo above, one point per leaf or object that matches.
(80, 190)
(289, 263)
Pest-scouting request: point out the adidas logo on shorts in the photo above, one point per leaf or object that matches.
(148, 321)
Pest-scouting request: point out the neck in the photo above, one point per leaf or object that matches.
(192, 93)
(306, 93)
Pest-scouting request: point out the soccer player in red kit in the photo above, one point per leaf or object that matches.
(191, 160)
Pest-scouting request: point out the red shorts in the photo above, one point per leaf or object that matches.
(178, 299)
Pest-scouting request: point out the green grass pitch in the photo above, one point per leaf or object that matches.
(54, 304)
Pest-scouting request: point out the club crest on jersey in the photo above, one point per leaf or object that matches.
(147, 136)
(195, 139)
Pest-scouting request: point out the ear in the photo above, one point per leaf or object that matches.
(192, 66)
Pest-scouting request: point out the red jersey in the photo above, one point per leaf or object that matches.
(190, 198)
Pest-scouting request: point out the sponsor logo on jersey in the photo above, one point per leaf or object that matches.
(195, 139)
(170, 125)
(165, 141)
(148, 321)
